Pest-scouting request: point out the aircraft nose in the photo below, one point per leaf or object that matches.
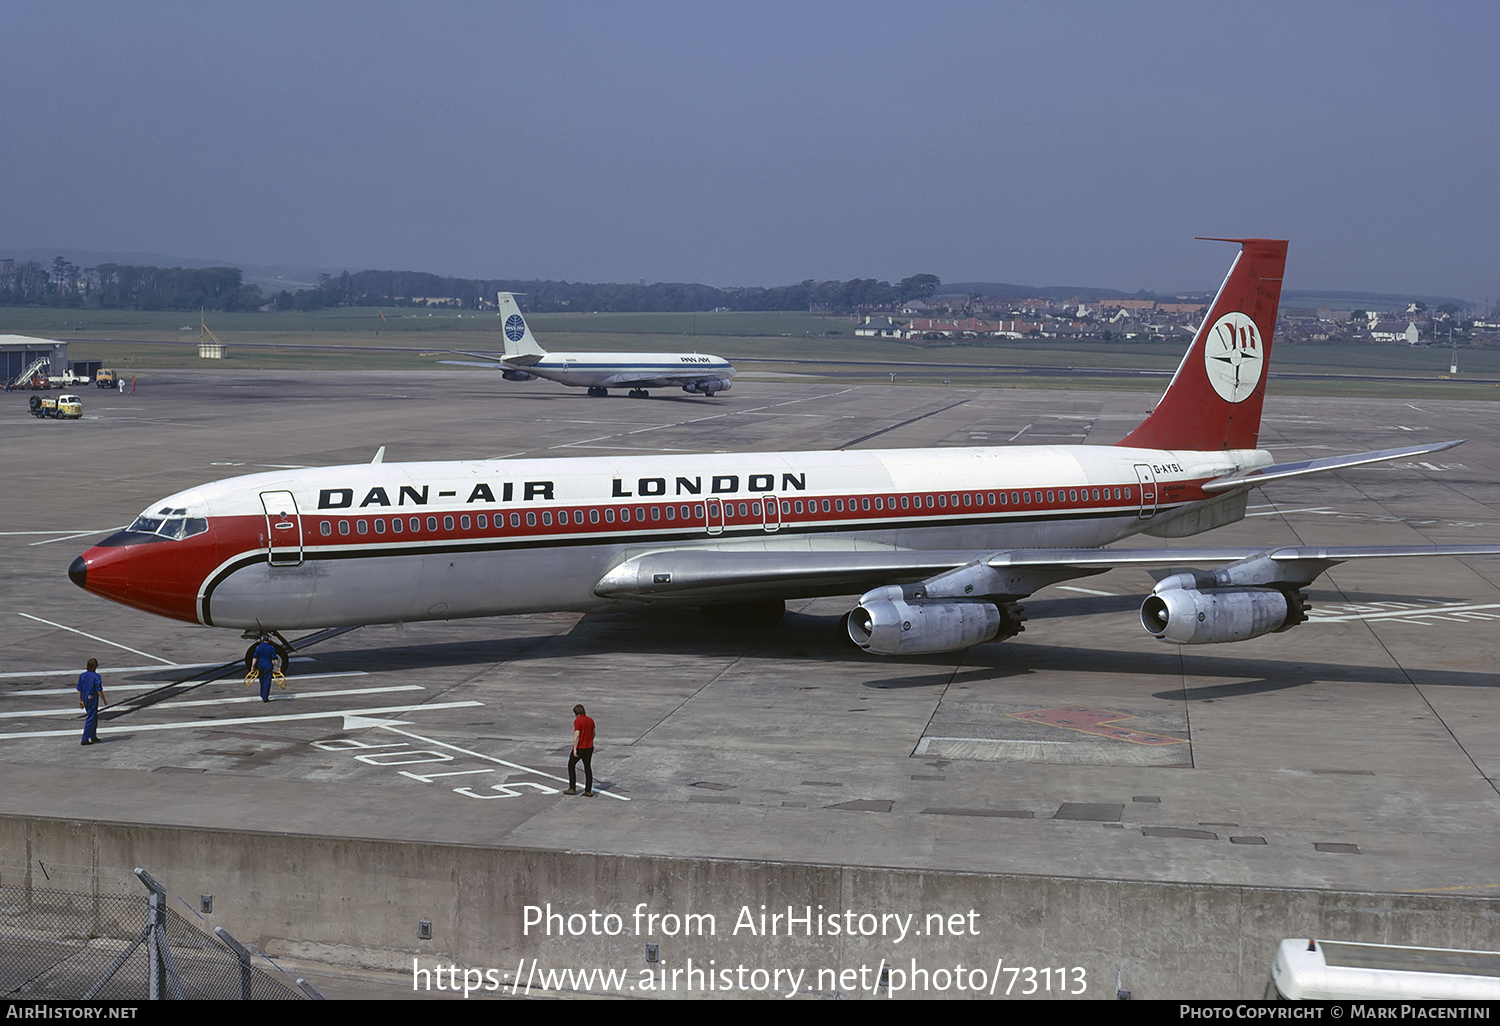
(78, 572)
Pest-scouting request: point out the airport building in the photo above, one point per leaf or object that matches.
(18, 352)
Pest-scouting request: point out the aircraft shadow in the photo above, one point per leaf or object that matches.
(683, 632)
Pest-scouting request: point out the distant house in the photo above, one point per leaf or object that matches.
(1394, 331)
(880, 327)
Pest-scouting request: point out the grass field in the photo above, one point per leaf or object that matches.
(797, 343)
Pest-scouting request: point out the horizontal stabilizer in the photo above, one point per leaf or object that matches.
(1281, 471)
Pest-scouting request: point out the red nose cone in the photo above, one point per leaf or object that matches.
(157, 575)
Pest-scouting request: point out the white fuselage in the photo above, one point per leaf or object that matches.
(622, 370)
(380, 543)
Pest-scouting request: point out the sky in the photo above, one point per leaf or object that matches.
(764, 143)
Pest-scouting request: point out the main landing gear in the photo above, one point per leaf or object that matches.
(598, 392)
(639, 393)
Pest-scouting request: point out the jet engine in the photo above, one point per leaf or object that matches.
(887, 623)
(708, 387)
(1178, 612)
(516, 375)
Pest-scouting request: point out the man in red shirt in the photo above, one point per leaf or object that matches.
(583, 749)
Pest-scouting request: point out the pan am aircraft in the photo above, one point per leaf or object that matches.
(599, 372)
(944, 543)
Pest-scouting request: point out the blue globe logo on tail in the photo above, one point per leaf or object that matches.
(515, 327)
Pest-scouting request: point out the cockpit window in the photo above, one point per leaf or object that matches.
(172, 528)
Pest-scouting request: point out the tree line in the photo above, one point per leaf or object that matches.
(126, 287)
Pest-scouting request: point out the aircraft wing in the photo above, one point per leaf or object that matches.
(1281, 471)
(691, 576)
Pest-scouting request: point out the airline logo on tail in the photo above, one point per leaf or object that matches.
(515, 327)
(1234, 357)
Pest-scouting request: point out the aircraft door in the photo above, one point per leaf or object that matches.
(771, 521)
(283, 528)
(1147, 480)
(713, 516)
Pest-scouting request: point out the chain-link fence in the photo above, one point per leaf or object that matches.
(59, 944)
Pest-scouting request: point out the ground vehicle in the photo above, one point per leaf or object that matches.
(105, 378)
(64, 407)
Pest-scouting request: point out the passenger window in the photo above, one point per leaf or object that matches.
(755, 509)
(968, 499)
(799, 505)
(697, 510)
(380, 527)
(432, 523)
(878, 503)
(671, 512)
(953, 499)
(640, 513)
(447, 523)
(326, 528)
(484, 521)
(562, 516)
(655, 512)
(1072, 494)
(1026, 498)
(1002, 498)
(546, 519)
(464, 522)
(609, 515)
(744, 510)
(530, 519)
(515, 520)
(415, 523)
(904, 502)
(838, 504)
(396, 527)
(343, 527)
(929, 502)
(361, 527)
(865, 503)
(593, 516)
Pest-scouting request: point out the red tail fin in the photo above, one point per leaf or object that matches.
(1215, 397)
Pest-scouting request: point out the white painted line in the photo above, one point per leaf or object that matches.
(301, 676)
(72, 531)
(1279, 512)
(119, 669)
(242, 720)
(491, 758)
(1019, 433)
(1083, 591)
(80, 534)
(1404, 615)
(95, 637)
(16, 714)
(109, 689)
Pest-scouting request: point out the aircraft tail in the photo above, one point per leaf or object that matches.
(518, 337)
(1214, 399)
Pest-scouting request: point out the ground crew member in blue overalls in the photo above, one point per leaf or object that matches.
(265, 653)
(90, 694)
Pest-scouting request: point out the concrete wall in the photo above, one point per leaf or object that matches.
(358, 902)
